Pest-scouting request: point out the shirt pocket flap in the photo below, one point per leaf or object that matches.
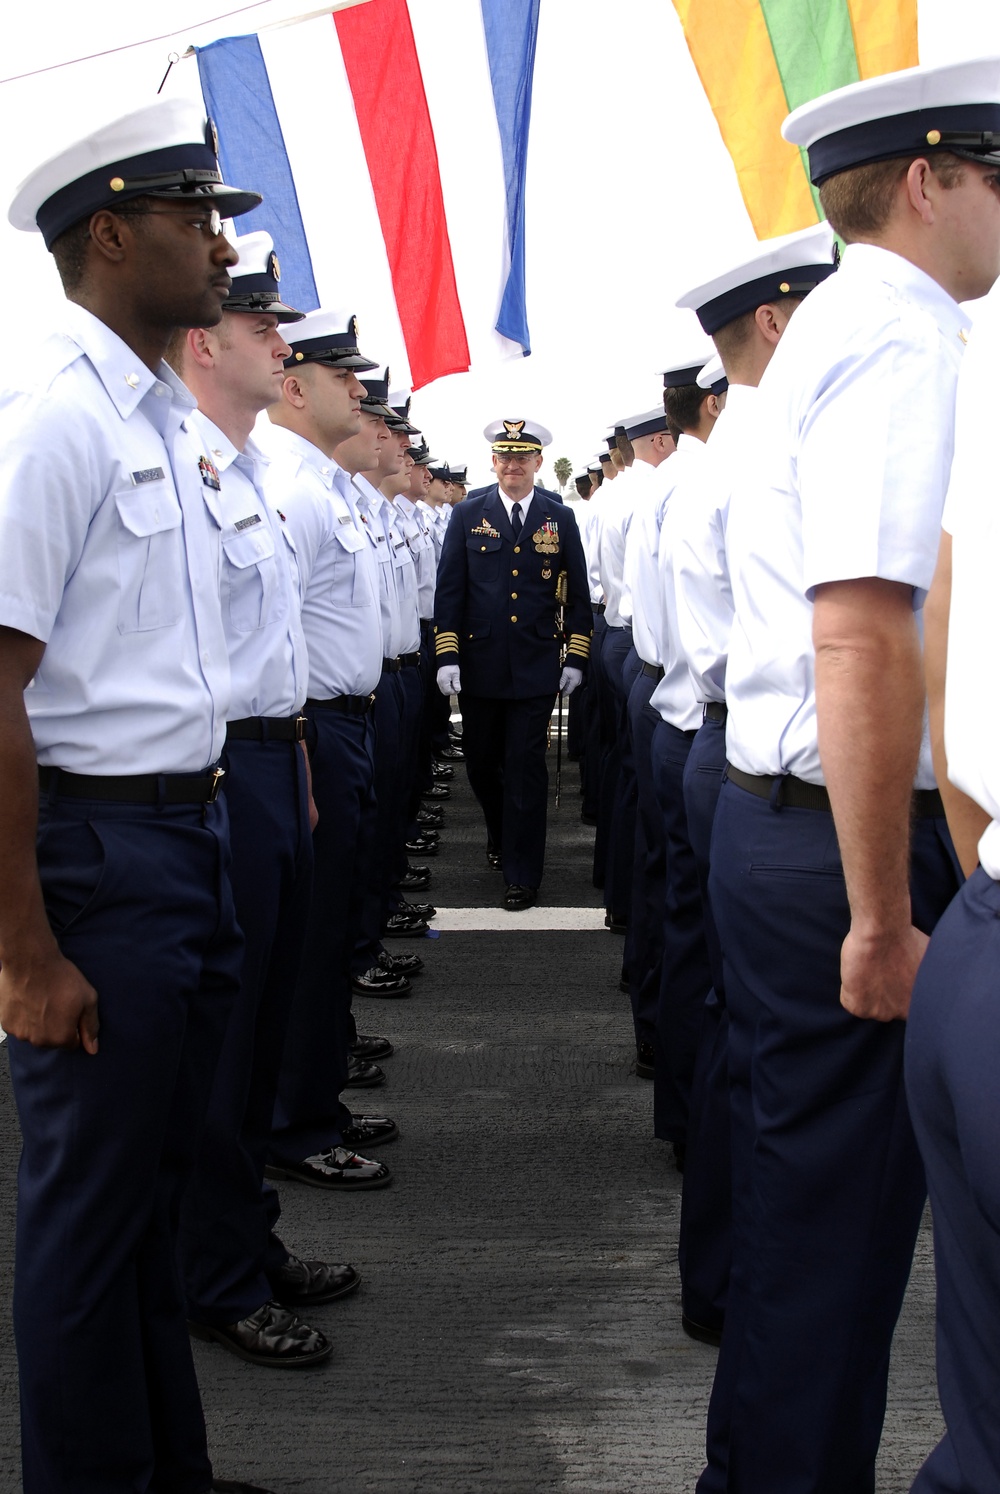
(249, 547)
(349, 539)
(145, 511)
(478, 627)
(480, 542)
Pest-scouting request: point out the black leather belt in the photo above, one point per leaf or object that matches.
(597, 608)
(427, 622)
(715, 710)
(145, 788)
(655, 671)
(797, 794)
(266, 729)
(391, 666)
(347, 705)
(409, 661)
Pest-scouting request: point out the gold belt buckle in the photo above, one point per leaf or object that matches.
(217, 775)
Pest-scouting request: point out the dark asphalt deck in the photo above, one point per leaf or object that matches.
(517, 1329)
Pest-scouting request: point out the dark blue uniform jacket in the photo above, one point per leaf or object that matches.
(496, 608)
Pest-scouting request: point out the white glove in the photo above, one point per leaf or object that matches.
(569, 680)
(449, 681)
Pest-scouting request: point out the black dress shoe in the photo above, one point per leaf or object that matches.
(645, 1061)
(703, 1334)
(450, 754)
(234, 1486)
(616, 925)
(415, 881)
(371, 1047)
(516, 898)
(361, 1074)
(495, 860)
(404, 926)
(309, 1283)
(429, 833)
(272, 1336)
(379, 982)
(369, 1130)
(426, 911)
(401, 964)
(417, 871)
(436, 793)
(429, 819)
(337, 1168)
(442, 772)
(421, 846)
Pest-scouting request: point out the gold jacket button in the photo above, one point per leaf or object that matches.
(513, 596)
(513, 619)
(482, 547)
(513, 573)
(517, 549)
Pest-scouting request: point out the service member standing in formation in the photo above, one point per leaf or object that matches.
(109, 557)
(831, 859)
(953, 1035)
(498, 644)
(243, 1288)
(745, 308)
(316, 1137)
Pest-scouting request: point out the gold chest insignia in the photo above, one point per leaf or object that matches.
(546, 539)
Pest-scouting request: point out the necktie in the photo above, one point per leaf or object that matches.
(515, 519)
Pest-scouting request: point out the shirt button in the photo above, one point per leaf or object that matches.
(513, 619)
(206, 657)
(156, 514)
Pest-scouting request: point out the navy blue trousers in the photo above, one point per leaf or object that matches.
(624, 793)
(407, 784)
(504, 743)
(685, 978)
(308, 1114)
(649, 872)
(380, 858)
(828, 1186)
(705, 1243)
(614, 649)
(590, 763)
(224, 1229)
(139, 900)
(952, 1043)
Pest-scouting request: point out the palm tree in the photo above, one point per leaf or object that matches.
(562, 467)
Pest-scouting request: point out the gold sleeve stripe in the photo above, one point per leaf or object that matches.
(579, 644)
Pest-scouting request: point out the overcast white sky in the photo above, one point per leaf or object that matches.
(631, 195)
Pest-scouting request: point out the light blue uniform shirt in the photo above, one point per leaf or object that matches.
(418, 537)
(375, 512)
(701, 571)
(109, 555)
(641, 572)
(336, 564)
(846, 479)
(403, 534)
(674, 696)
(260, 604)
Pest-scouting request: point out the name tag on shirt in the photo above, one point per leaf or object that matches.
(248, 522)
(147, 474)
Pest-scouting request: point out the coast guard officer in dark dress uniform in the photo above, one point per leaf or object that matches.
(498, 643)
(109, 564)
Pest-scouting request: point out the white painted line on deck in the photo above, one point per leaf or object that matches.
(539, 920)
